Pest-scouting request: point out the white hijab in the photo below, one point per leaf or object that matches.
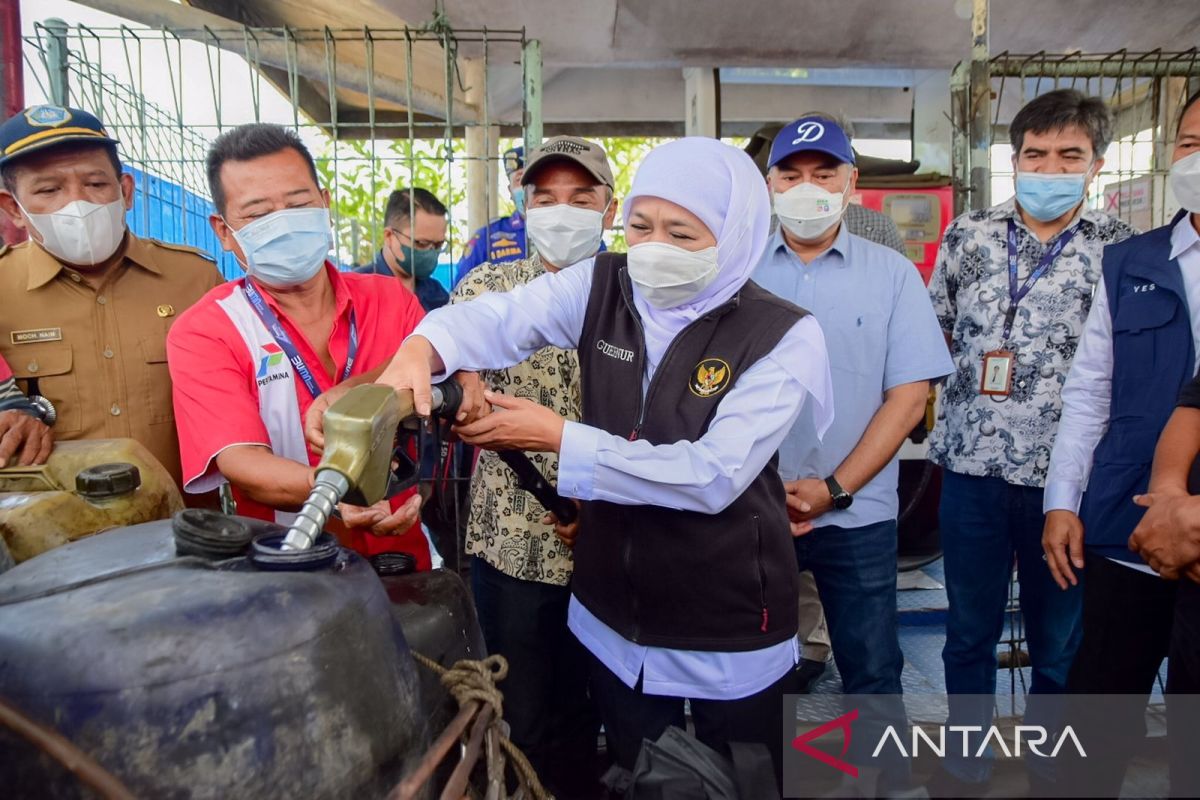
(721, 185)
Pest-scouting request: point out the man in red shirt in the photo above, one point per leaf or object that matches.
(23, 433)
(252, 355)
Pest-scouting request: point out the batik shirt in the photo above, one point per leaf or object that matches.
(505, 527)
(1010, 437)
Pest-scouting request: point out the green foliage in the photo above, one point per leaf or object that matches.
(361, 174)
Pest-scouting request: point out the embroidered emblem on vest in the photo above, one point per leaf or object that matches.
(710, 378)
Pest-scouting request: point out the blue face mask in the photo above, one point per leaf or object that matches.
(1048, 197)
(518, 196)
(287, 247)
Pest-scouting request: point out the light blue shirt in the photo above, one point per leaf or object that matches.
(498, 330)
(881, 332)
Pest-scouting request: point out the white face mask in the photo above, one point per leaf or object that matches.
(1185, 182)
(563, 234)
(807, 211)
(669, 276)
(80, 232)
(286, 247)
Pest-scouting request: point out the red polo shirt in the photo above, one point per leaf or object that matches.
(216, 390)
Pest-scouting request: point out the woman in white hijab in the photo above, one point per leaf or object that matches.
(685, 576)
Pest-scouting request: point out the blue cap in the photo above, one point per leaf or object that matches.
(41, 127)
(811, 134)
(514, 159)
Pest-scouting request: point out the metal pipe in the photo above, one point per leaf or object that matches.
(980, 109)
(329, 487)
(85, 768)
(531, 69)
(1116, 65)
(412, 784)
(57, 61)
(12, 87)
(960, 148)
(456, 784)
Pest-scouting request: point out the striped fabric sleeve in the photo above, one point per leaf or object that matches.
(13, 399)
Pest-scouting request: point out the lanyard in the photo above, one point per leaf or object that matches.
(1017, 294)
(285, 342)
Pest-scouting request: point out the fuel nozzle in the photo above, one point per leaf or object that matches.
(360, 433)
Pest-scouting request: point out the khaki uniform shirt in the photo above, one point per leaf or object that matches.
(99, 355)
(505, 524)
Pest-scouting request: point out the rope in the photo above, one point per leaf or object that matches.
(476, 680)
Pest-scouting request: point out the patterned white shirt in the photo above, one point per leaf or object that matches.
(1010, 437)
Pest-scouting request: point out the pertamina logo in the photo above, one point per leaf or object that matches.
(273, 358)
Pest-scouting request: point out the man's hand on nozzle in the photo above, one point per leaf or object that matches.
(24, 436)
(473, 405)
(379, 518)
(566, 533)
(314, 418)
(411, 368)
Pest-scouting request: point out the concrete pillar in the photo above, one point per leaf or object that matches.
(481, 142)
(702, 103)
(980, 109)
(933, 132)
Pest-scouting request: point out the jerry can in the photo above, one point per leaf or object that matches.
(85, 487)
(191, 669)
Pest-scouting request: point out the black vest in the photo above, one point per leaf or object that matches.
(724, 582)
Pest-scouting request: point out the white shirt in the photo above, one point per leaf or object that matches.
(501, 329)
(1087, 393)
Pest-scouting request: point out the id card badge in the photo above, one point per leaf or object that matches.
(997, 373)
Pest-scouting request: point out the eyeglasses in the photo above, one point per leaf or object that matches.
(420, 244)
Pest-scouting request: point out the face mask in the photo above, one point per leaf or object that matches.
(564, 234)
(1185, 182)
(518, 196)
(669, 276)
(80, 232)
(1048, 197)
(806, 210)
(418, 263)
(288, 247)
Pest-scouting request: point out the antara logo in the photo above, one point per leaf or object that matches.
(1029, 738)
(273, 357)
(842, 723)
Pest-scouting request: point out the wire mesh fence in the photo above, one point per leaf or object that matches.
(1144, 91)
(379, 109)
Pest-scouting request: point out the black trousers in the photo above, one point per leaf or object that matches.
(1183, 691)
(631, 716)
(1127, 622)
(546, 699)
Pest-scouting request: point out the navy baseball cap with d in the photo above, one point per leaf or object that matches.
(41, 127)
(811, 134)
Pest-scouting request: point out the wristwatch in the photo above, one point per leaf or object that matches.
(841, 498)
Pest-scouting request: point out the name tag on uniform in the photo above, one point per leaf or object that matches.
(36, 335)
(997, 373)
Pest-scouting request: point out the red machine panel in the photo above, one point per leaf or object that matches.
(921, 214)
